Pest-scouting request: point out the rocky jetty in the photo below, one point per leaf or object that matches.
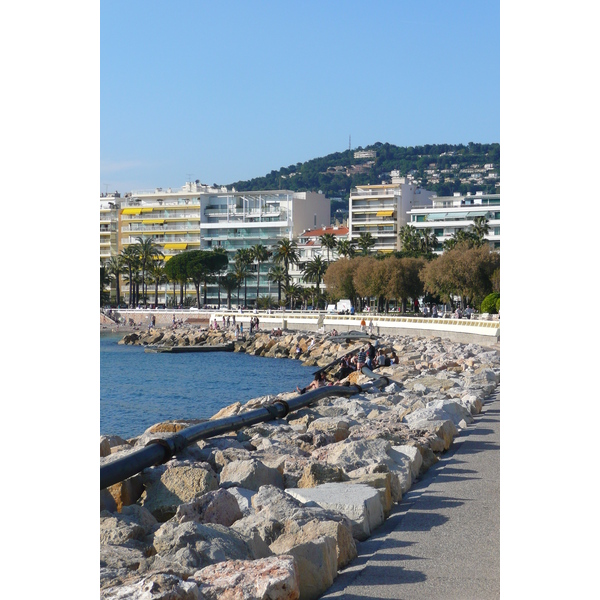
(275, 510)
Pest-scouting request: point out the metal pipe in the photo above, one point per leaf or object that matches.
(158, 451)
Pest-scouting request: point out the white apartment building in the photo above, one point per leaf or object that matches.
(449, 214)
(199, 216)
(309, 247)
(109, 213)
(382, 210)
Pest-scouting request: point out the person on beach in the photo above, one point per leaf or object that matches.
(363, 324)
(393, 358)
(361, 359)
(317, 382)
(381, 358)
(298, 350)
(370, 326)
(434, 311)
(237, 331)
(345, 369)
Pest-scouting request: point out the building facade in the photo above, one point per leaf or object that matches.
(109, 217)
(382, 210)
(450, 214)
(201, 217)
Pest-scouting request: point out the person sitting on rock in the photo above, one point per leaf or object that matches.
(361, 359)
(317, 382)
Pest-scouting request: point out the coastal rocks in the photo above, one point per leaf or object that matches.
(186, 547)
(250, 474)
(218, 507)
(360, 503)
(275, 509)
(168, 486)
(273, 578)
(158, 586)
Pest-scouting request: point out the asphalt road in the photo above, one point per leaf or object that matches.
(443, 540)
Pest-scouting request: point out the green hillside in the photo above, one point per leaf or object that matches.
(443, 168)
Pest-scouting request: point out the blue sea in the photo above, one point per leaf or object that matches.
(139, 389)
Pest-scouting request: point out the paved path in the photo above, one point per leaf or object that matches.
(443, 540)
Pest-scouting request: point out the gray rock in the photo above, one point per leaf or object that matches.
(250, 474)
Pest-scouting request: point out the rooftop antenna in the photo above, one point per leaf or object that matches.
(106, 188)
(189, 177)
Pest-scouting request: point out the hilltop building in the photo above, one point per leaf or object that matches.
(449, 214)
(381, 210)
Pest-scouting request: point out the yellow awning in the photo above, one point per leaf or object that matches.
(153, 221)
(175, 246)
(147, 210)
(132, 211)
(384, 251)
(385, 213)
(168, 257)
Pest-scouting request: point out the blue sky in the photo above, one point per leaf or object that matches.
(225, 91)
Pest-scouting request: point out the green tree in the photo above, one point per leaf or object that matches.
(480, 228)
(346, 248)
(147, 251)
(177, 272)
(104, 283)
(198, 269)
(286, 253)
(130, 260)
(328, 241)
(277, 275)
(339, 279)
(228, 282)
(156, 275)
(293, 292)
(259, 254)
(243, 260)
(365, 242)
(217, 262)
(314, 270)
(115, 267)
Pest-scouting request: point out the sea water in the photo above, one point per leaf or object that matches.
(139, 389)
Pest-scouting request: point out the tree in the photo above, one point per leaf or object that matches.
(176, 271)
(115, 267)
(365, 242)
(403, 279)
(243, 260)
(147, 252)
(228, 282)
(217, 261)
(339, 279)
(370, 277)
(286, 252)
(293, 292)
(156, 275)
(480, 227)
(328, 241)
(314, 270)
(104, 283)
(260, 254)
(197, 268)
(277, 275)
(465, 271)
(130, 260)
(346, 248)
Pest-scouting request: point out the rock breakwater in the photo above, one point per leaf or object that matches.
(275, 510)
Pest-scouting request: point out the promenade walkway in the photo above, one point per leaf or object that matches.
(443, 540)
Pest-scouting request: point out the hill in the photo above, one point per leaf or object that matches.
(443, 168)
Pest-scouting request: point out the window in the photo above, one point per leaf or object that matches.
(437, 232)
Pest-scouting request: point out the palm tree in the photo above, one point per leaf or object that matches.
(147, 251)
(157, 275)
(346, 248)
(365, 241)
(115, 267)
(243, 260)
(286, 252)
(480, 227)
(276, 274)
(328, 241)
(314, 271)
(229, 282)
(260, 254)
(292, 292)
(130, 259)
(427, 241)
(410, 239)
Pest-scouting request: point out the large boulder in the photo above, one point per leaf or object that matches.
(187, 547)
(155, 586)
(168, 486)
(315, 557)
(273, 578)
(440, 410)
(218, 506)
(360, 503)
(445, 429)
(250, 474)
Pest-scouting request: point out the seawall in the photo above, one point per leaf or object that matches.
(479, 331)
